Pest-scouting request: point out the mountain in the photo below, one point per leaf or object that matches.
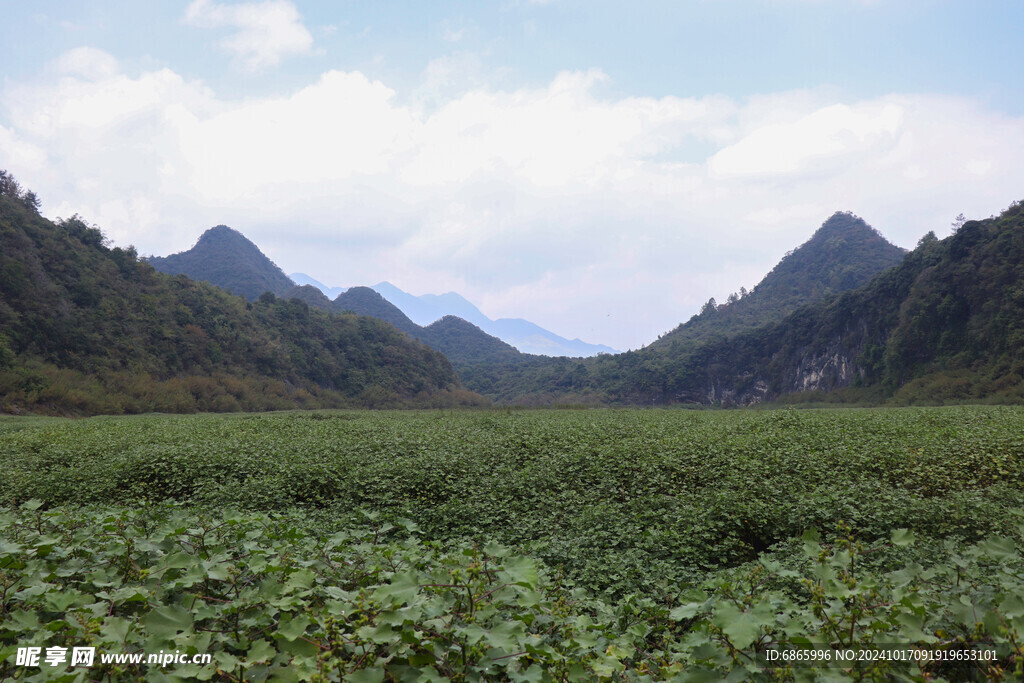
(224, 257)
(425, 309)
(466, 343)
(309, 295)
(227, 259)
(945, 324)
(843, 253)
(303, 279)
(365, 301)
(87, 329)
(460, 341)
(522, 334)
(531, 338)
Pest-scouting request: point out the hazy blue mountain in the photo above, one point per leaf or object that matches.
(303, 279)
(420, 311)
(524, 335)
(426, 309)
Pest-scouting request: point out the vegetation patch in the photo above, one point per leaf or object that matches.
(518, 545)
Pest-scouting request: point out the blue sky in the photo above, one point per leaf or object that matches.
(599, 169)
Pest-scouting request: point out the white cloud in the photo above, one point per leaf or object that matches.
(18, 154)
(607, 218)
(820, 141)
(265, 32)
(87, 62)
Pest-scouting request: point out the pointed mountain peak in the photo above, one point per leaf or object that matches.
(843, 254)
(845, 246)
(225, 257)
(845, 224)
(221, 235)
(365, 301)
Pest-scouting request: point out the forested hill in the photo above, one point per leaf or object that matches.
(462, 342)
(365, 301)
(226, 258)
(946, 324)
(88, 329)
(843, 254)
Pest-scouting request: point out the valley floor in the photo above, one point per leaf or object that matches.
(517, 544)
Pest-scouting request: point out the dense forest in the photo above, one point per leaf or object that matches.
(86, 328)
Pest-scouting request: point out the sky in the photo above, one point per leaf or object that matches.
(599, 168)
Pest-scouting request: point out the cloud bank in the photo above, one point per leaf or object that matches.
(610, 219)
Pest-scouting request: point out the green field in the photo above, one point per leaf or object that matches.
(516, 545)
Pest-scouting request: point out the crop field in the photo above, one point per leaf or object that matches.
(554, 545)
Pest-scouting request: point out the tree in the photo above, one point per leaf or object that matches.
(9, 187)
(958, 222)
(31, 201)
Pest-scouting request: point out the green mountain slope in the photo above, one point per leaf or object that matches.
(843, 254)
(309, 294)
(224, 257)
(365, 301)
(946, 324)
(465, 344)
(86, 329)
(462, 342)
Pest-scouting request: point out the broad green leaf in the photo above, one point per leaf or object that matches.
(260, 651)
(373, 675)
(167, 621)
(1001, 549)
(687, 611)
(294, 627)
(402, 589)
(903, 537)
(742, 628)
(522, 570)
(506, 635)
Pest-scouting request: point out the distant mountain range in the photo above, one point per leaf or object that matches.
(843, 254)
(844, 317)
(226, 258)
(424, 309)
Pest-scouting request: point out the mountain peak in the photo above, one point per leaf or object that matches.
(221, 232)
(844, 224)
(365, 301)
(225, 257)
(842, 254)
